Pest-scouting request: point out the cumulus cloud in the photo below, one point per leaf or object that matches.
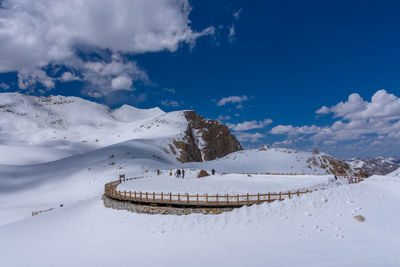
(360, 124)
(249, 137)
(290, 130)
(121, 82)
(68, 77)
(34, 34)
(249, 125)
(232, 99)
(170, 103)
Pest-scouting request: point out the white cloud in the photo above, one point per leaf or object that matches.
(68, 77)
(323, 110)
(249, 125)
(170, 90)
(360, 126)
(105, 77)
(232, 99)
(34, 34)
(231, 34)
(291, 130)
(249, 137)
(236, 14)
(224, 118)
(121, 82)
(4, 86)
(283, 143)
(170, 103)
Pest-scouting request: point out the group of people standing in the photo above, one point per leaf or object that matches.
(179, 173)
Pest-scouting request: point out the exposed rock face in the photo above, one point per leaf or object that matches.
(205, 139)
(335, 166)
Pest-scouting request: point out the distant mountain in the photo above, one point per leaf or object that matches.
(375, 166)
(60, 126)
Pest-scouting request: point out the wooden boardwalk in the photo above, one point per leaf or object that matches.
(197, 200)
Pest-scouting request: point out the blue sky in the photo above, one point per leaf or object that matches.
(263, 67)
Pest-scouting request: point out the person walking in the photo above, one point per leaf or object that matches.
(183, 173)
(213, 171)
(178, 173)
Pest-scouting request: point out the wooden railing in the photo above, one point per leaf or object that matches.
(224, 200)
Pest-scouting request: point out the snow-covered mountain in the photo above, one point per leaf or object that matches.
(375, 166)
(43, 128)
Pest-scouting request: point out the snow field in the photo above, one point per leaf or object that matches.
(231, 184)
(316, 229)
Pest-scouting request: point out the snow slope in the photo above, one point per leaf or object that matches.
(395, 173)
(317, 229)
(59, 126)
(273, 160)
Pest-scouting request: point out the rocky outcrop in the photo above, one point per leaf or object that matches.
(205, 139)
(335, 166)
(375, 166)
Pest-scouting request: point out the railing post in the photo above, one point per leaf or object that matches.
(179, 197)
(258, 197)
(280, 196)
(227, 199)
(216, 197)
(130, 195)
(289, 194)
(206, 198)
(135, 195)
(125, 194)
(298, 194)
(269, 197)
(248, 200)
(154, 196)
(162, 197)
(187, 198)
(197, 199)
(141, 195)
(237, 198)
(147, 196)
(170, 197)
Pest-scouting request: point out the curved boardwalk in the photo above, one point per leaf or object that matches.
(195, 201)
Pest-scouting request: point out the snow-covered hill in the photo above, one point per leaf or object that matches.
(280, 160)
(59, 126)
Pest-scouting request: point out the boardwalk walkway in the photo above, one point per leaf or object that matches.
(197, 200)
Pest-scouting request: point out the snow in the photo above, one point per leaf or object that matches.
(274, 160)
(395, 173)
(225, 184)
(316, 229)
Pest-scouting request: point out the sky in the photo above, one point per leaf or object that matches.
(296, 74)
